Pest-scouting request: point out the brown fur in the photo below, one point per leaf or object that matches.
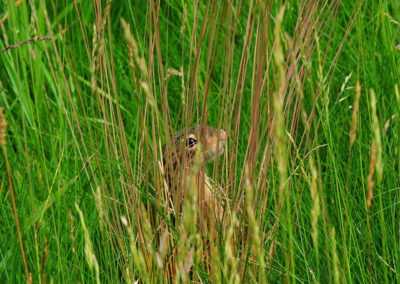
(179, 161)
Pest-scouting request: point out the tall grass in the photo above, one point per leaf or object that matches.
(306, 91)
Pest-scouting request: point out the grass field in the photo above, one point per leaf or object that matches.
(307, 92)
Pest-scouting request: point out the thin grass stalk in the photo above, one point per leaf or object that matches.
(370, 181)
(279, 127)
(335, 258)
(137, 257)
(355, 12)
(235, 116)
(257, 77)
(145, 84)
(353, 127)
(229, 267)
(352, 135)
(188, 231)
(192, 95)
(307, 67)
(89, 253)
(279, 143)
(332, 67)
(225, 104)
(376, 137)
(311, 179)
(318, 90)
(3, 131)
(43, 261)
(255, 230)
(154, 14)
(61, 66)
(116, 144)
(379, 173)
(124, 148)
(235, 113)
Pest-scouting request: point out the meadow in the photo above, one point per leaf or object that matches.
(307, 92)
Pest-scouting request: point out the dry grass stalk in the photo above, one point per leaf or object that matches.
(173, 72)
(98, 46)
(184, 19)
(315, 209)
(279, 132)
(72, 230)
(18, 44)
(43, 261)
(335, 258)
(312, 181)
(100, 207)
(354, 116)
(255, 230)
(141, 63)
(137, 258)
(229, 268)
(103, 25)
(377, 138)
(92, 67)
(3, 130)
(370, 181)
(280, 151)
(89, 252)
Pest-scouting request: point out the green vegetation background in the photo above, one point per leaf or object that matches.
(43, 102)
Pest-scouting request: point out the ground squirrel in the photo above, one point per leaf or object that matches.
(179, 160)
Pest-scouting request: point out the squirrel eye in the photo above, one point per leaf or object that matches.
(191, 142)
